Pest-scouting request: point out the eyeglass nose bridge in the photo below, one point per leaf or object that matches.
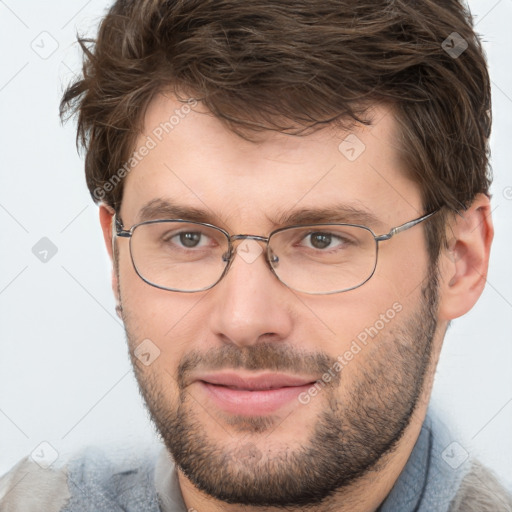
(228, 256)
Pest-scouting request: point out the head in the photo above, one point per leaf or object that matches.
(252, 116)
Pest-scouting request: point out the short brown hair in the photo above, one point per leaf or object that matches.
(275, 65)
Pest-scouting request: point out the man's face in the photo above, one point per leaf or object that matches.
(221, 350)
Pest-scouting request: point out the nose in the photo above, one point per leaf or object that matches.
(250, 305)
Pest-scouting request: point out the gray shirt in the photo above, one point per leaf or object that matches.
(438, 477)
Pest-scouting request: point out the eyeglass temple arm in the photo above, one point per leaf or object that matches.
(404, 227)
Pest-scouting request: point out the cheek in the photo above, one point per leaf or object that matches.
(368, 313)
(335, 321)
(159, 335)
(167, 319)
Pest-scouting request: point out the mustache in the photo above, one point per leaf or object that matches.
(260, 357)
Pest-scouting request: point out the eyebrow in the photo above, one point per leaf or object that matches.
(338, 213)
(166, 209)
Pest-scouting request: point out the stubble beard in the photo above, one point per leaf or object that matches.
(352, 434)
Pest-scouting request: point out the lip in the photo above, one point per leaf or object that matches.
(252, 395)
(261, 382)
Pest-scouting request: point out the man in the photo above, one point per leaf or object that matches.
(295, 201)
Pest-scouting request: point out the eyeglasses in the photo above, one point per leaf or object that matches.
(182, 256)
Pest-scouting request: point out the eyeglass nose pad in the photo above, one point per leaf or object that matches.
(273, 258)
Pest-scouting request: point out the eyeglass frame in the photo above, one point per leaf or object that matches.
(119, 231)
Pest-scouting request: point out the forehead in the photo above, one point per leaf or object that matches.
(193, 160)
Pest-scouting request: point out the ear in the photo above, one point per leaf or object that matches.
(463, 264)
(106, 221)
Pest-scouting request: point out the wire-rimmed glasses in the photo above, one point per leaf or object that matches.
(183, 256)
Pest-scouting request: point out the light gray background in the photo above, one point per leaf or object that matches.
(65, 376)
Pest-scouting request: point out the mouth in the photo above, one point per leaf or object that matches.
(251, 395)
